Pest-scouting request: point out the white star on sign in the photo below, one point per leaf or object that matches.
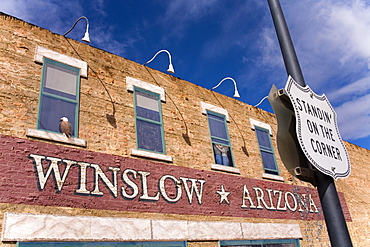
(223, 195)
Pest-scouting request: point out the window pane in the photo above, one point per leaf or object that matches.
(149, 131)
(263, 138)
(222, 154)
(220, 139)
(149, 136)
(268, 160)
(216, 140)
(146, 100)
(60, 79)
(148, 114)
(217, 126)
(266, 150)
(52, 109)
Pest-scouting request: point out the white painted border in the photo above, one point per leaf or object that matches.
(205, 106)
(44, 227)
(42, 52)
(131, 82)
(260, 124)
(151, 155)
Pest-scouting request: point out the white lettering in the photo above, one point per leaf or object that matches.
(246, 196)
(259, 196)
(131, 185)
(294, 208)
(312, 203)
(272, 207)
(279, 201)
(82, 189)
(145, 195)
(43, 178)
(163, 188)
(100, 174)
(194, 188)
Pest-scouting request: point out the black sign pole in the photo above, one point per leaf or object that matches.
(330, 203)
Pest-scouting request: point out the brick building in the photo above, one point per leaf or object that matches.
(153, 160)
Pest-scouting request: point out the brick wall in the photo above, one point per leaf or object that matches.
(106, 122)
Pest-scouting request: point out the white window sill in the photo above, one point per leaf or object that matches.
(273, 177)
(42, 134)
(225, 168)
(147, 154)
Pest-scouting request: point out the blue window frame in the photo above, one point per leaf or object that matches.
(220, 139)
(101, 244)
(261, 243)
(149, 124)
(267, 151)
(59, 96)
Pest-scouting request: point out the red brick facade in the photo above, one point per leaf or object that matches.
(248, 197)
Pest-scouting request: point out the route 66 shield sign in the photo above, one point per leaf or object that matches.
(317, 130)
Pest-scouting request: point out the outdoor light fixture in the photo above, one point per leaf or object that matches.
(170, 66)
(236, 93)
(86, 37)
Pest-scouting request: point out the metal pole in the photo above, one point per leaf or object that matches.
(330, 203)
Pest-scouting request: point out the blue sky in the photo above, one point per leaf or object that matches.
(213, 39)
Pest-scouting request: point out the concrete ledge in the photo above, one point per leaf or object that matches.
(131, 82)
(205, 106)
(44, 227)
(273, 177)
(42, 52)
(146, 154)
(41, 134)
(260, 124)
(225, 168)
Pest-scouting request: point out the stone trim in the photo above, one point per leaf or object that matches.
(225, 168)
(44, 227)
(151, 155)
(131, 82)
(273, 177)
(42, 52)
(205, 106)
(42, 134)
(260, 124)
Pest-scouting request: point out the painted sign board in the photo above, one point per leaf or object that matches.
(317, 130)
(40, 173)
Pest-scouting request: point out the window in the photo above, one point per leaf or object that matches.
(261, 243)
(102, 244)
(220, 139)
(59, 96)
(149, 126)
(267, 151)
(263, 132)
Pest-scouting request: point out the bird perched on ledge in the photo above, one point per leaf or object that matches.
(65, 127)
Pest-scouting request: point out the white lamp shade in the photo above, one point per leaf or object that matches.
(236, 94)
(170, 68)
(86, 38)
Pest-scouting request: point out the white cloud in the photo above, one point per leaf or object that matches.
(350, 91)
(332, 41)
(354, 118)
(52, 14)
